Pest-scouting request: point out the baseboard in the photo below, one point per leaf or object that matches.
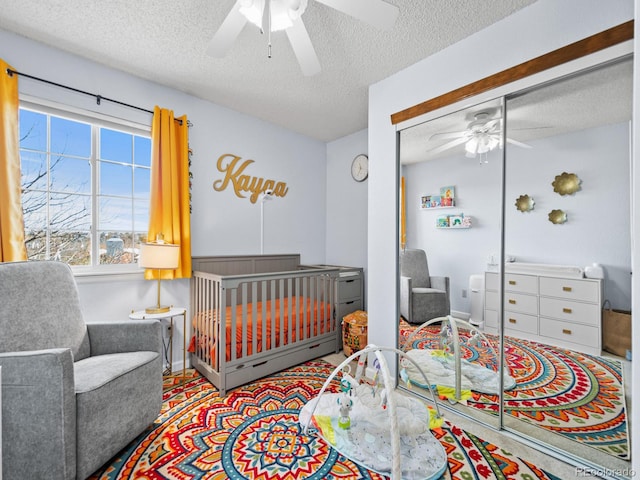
(460, 315)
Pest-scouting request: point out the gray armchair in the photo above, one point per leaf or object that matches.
(73, 394)
(422, 297)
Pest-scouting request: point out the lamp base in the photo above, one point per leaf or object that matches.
(157, 309)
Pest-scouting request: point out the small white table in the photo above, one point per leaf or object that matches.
(173, 312)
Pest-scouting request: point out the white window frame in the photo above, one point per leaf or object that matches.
(101, 121)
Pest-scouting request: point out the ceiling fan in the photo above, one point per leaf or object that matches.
(481, 136)
(276, 15)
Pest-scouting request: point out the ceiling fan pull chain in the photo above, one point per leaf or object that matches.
(268, 7)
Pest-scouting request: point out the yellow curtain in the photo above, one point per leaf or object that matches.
(403, 217)
(169, 206)
(12, 247)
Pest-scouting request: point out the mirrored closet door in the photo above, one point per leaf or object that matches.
(568, 231)
(452, 172)
(519, 209)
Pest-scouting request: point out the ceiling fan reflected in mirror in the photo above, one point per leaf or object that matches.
(277, 15)
(481, 136)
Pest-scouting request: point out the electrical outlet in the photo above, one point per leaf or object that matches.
(464, 293)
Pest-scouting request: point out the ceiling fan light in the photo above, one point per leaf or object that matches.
(252, 10)
(472, 145)
(282, 12)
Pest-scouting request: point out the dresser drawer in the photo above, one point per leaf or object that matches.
(578, 312)
(491, 300)
(521, 283)
(491, 319)
(571, 288)
(518, 302)
(520, 322)
(569, 332)
(491, 281)
(350, 288)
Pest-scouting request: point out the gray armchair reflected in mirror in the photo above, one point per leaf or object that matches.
(422, 296)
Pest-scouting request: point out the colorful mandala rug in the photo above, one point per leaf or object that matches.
(573, 394)
(253, 434)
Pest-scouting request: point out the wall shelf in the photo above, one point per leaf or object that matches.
(453, 222)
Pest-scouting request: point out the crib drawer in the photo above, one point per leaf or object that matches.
(345, 308)
(350, 287)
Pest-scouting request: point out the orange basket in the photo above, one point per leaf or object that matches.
(354, 332)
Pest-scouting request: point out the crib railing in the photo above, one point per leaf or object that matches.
(266, 312)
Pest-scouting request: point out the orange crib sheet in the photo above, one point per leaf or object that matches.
(316, 324)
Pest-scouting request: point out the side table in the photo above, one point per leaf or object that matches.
(173, 312)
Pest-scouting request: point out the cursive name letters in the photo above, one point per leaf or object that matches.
(245, 183)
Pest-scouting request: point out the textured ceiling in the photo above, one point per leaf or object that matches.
(166, 40)
(597, 97)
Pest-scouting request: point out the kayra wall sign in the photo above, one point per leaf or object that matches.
(234, 175)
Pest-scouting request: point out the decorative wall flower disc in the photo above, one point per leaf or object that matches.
(566, 183)
(524, 203)
(557, 216)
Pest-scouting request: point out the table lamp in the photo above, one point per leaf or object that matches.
(159, 256)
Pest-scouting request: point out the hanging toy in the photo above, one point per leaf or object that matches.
(405, 378)
(446, 336)
(474, 340)
(345, 403)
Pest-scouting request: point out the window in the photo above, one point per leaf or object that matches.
(85, 187)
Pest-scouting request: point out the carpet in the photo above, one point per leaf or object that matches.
(253, 433)
(573, 394)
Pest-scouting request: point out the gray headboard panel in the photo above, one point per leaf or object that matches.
(246, 264)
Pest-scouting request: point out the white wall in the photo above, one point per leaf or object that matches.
(598, 215)
(346, 204)
(542, 27)
(221, 222)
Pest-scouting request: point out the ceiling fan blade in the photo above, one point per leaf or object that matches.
(227, 33)
(447, 146)
(303, 48)
(517, 143)
(378, 13)
(446, 135)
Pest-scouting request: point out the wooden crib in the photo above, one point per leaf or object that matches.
(276, 315)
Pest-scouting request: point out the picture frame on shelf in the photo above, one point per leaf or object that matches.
(443, 221)
(448, 195)
(456, 221)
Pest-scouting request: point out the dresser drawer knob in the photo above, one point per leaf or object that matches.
(567, 289)
(566, 310)
(566, 331)
(512, 320)
(512, 302)
(512, 282)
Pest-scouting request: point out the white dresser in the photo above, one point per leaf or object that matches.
(560, 311)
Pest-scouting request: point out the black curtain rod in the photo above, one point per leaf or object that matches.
(98, 98)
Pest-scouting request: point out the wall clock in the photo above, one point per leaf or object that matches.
(360, 168)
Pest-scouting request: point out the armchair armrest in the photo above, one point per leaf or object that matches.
(440, 283)
(405, 297)
(39, 414)
(129, 336)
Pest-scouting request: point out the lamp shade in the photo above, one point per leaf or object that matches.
(159, 256)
